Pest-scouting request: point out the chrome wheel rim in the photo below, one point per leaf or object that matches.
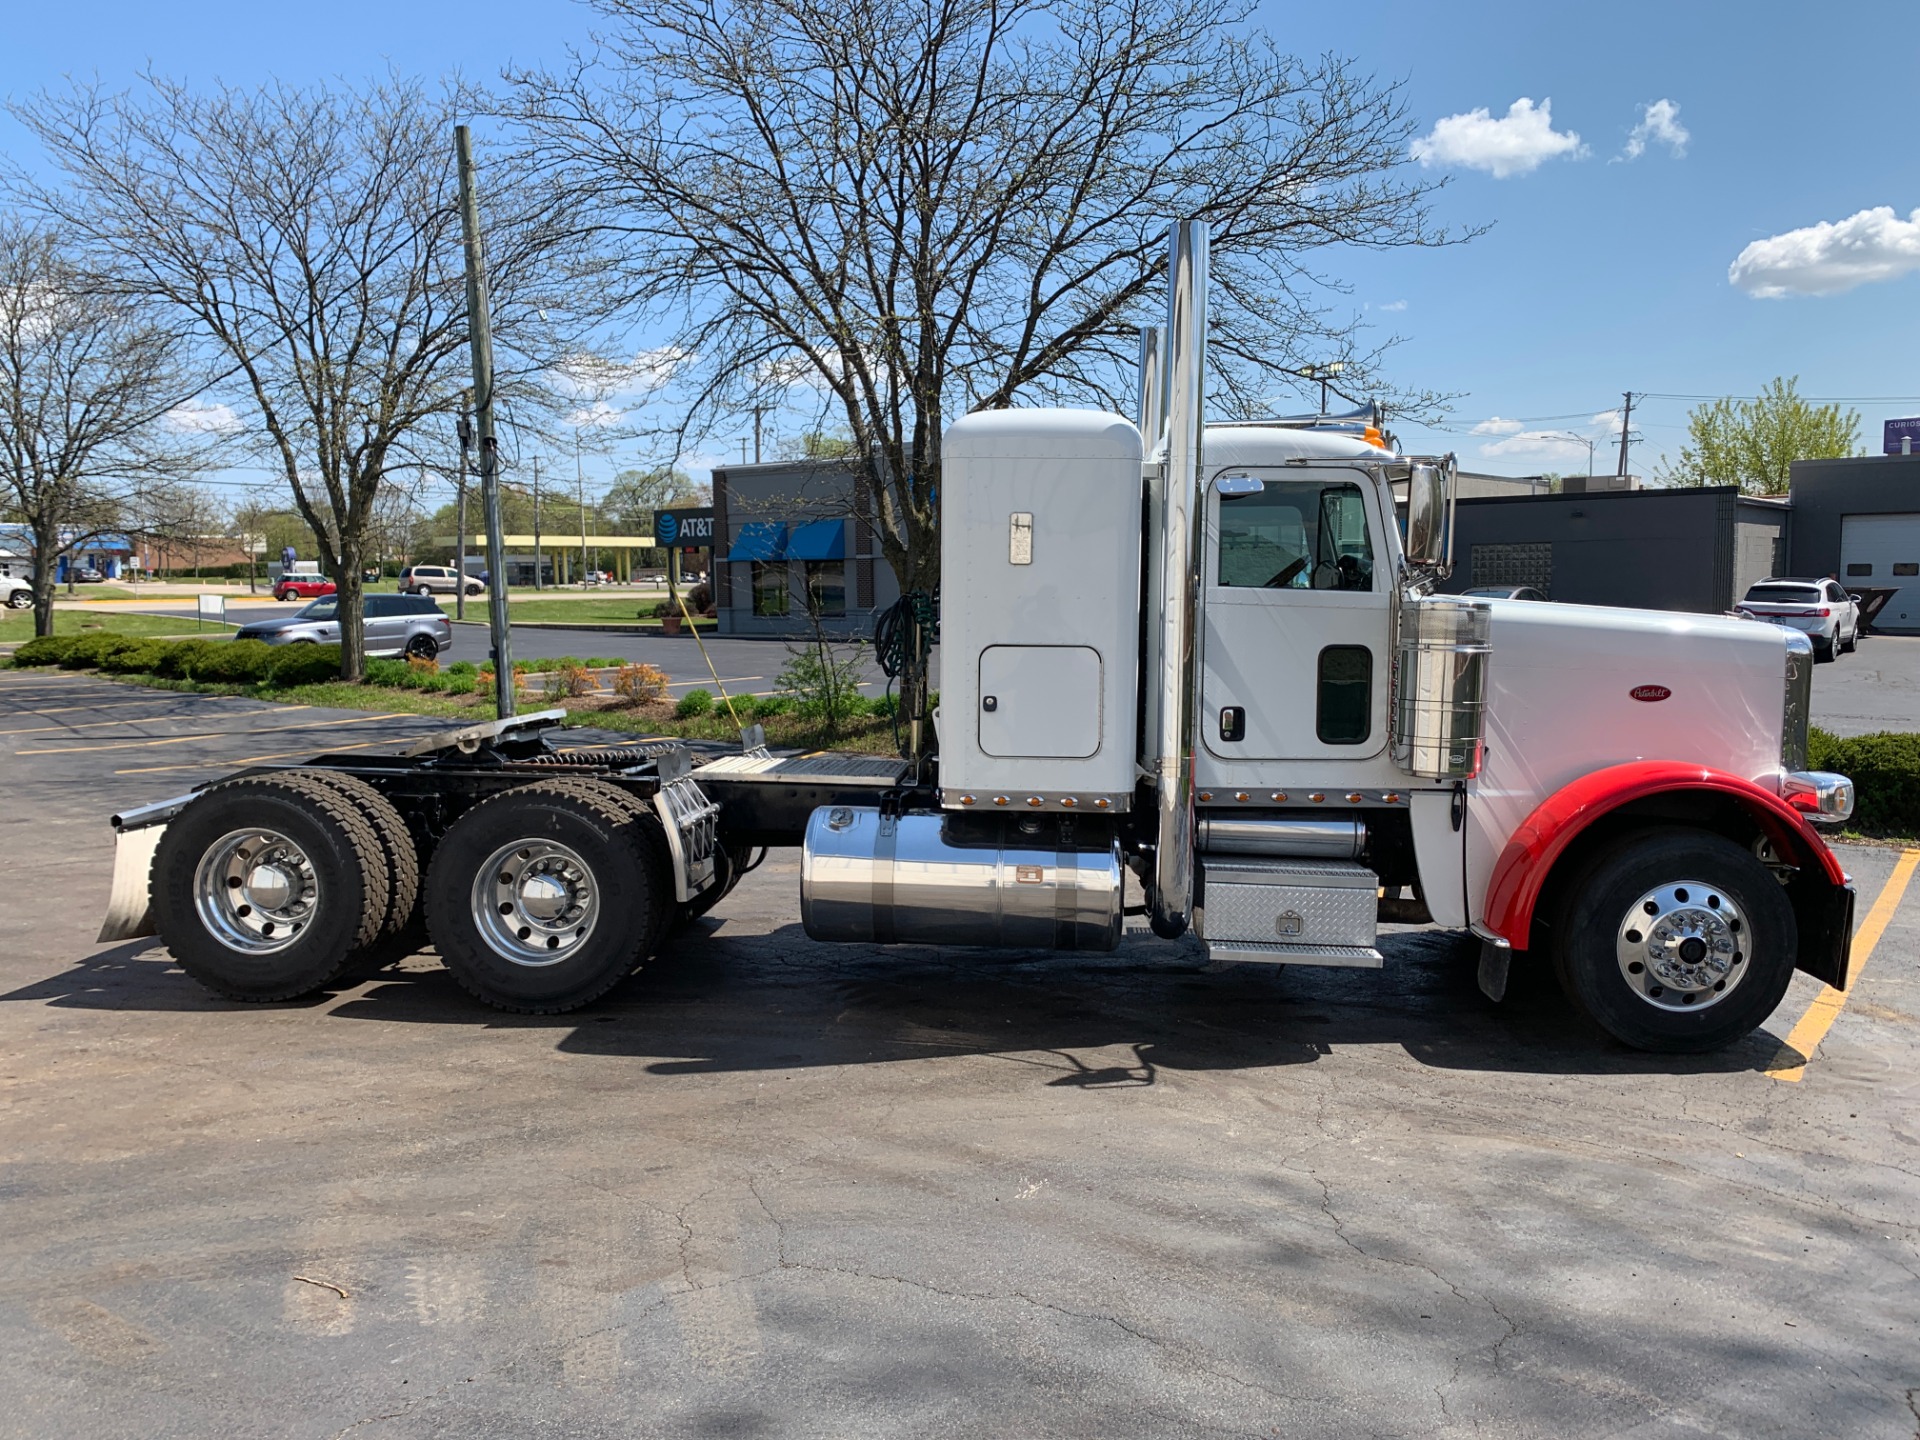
(1683, 946)
(535, 902)
(255, 891)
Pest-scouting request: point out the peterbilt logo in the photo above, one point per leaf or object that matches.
(1650, 692)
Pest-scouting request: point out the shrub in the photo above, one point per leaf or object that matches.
(693, 705)
(462, 669)
(46, 650)
(424, 664)
(304, 665)
(182, 661)
(884, 706)
(139, 657)
(568, 679)
(1885, 770)
(765, 705)
(94, 649)
(639, 683)
(236, 662)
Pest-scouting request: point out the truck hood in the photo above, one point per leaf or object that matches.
(1572, 688)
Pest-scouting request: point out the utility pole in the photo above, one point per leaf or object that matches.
(465, 430)
(538, 582)
(743, 449)
(758, 411)
(580, 496)
(1626, 420)
(480, 333)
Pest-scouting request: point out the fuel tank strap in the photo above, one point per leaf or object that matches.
(886, 847)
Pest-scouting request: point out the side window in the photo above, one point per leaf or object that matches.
(1343, 710)
(1296, 535)
(1859, 569)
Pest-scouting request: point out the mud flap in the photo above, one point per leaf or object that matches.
(1825, 916)
(129, 911)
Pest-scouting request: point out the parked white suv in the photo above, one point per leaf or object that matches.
(15, 593)
(1821, 608)
(435, 579)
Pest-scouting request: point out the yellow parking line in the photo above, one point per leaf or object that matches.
(1805, 1037)
(96, 724)
(230, 764)
(212, 735)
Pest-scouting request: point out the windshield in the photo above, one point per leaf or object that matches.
(318, 610)
(1784, 594)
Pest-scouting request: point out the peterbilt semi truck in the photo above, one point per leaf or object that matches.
(1196, 672)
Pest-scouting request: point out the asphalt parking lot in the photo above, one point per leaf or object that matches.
(774, 1188)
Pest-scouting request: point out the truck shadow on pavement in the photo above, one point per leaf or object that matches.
(715, 1003)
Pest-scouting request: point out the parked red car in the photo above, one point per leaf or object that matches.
(305, 587)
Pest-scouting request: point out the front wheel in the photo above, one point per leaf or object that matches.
(20, 600)
(1675, 940)
(545, 897)
(422, 647)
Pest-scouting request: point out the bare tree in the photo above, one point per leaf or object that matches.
(918, 209)
(311, 238)
(85, 380)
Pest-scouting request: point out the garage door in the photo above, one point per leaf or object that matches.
(1884, 551)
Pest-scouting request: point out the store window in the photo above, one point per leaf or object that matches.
(1296, 535)
(827, 587)
(770, 596)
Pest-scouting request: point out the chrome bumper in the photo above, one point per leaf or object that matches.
(1825, 798)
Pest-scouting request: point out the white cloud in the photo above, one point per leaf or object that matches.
(602, 377)
(1497, 426)
(1658, 121)
(1395, 305)
(597, 416)
(196, 418)
(1515, 144)
(1537, 445)
(1607, 422)
(1831, 257)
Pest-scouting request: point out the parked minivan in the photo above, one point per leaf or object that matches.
(434, 579)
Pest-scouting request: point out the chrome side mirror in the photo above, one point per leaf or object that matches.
(1427, 539)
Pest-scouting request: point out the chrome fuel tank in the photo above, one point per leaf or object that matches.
(1044, 881)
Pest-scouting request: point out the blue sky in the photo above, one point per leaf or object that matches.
(1601, 273)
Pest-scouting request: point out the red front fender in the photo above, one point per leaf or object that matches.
(1531, 852)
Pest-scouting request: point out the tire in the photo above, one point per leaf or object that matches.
(398, 853)
(422, 647)
(19, 599)
(730, 863)
(1853, 642)
(1731, 941)
(602, 860)
(219, 912)
(1823, 649)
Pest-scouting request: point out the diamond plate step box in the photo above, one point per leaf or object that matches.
(1302, 912)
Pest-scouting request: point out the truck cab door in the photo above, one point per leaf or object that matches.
(1296, 592)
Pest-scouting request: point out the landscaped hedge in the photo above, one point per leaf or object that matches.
(1885, 770)
(217, 662)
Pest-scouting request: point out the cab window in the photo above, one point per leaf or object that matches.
(1296, 535)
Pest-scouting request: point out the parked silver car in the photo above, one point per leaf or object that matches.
(1820, 608)
(409, 625)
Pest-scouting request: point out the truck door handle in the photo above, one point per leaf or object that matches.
(989, 702)
(1233, 723)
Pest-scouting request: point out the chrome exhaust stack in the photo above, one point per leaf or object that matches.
(1180, 397)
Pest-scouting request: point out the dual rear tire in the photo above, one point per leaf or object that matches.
(539, 899)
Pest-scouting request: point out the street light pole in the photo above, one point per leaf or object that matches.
(580, 495)
(538, 583)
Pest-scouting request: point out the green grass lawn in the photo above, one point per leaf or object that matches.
(18, 624)
(615, 609)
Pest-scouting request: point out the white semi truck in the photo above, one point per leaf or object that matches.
(1201, 654)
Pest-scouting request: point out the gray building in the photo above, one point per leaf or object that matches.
(1694, 550)
(1860, 519)
(792, 537)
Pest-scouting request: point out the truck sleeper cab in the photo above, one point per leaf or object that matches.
(1204, 656)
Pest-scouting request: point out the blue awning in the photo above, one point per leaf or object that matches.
(819, 540)
(760, 540)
